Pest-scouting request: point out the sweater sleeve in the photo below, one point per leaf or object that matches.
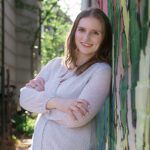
(95, 93)
(35, 101)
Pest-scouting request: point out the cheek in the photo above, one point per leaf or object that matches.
(77, 35)
(98, 40)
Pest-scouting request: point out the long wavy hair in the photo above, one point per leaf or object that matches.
(103, 54)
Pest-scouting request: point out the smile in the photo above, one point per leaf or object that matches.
(86, 45)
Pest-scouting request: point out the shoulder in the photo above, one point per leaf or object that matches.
(100, 67)
(98, 70)
(51, 67)
(101, 72)
(55, 62)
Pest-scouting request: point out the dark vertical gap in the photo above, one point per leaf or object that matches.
(89, 3)
(40, 31)
(3, 72)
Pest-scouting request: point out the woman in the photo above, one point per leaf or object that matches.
(69, 92)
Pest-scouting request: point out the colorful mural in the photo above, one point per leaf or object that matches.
(124, 121)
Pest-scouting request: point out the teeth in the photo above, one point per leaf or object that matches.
(86, 44)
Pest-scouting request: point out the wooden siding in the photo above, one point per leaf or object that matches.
(124, 121)
(20, 25)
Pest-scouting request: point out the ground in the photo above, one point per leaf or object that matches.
(22, 144)
(25, 144)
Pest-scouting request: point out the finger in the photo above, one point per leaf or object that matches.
(28, 85)
(38, 83)
(85, 111)
(41, 80)
(35, 84)
(76, 110)
(32, 84)
(83, 101)
(39, 88)
(70, 113)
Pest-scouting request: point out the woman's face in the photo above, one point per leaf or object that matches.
(89, 35)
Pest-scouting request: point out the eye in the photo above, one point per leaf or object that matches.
(81, 29)
(96, 33)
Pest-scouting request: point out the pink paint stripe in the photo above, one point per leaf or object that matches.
(98, 4)
(105, 6)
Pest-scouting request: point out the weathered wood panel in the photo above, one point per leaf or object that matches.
(124, 121)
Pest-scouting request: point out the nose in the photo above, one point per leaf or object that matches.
(86, 37)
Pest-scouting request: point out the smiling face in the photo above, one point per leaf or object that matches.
(88, 36)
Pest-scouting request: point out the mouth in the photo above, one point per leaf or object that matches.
(87, 45)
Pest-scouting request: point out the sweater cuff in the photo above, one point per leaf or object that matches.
(46, 98)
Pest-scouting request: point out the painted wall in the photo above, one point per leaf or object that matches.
(124, 121)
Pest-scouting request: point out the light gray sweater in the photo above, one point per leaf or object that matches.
(55, 130)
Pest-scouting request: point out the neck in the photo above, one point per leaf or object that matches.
(81, 59)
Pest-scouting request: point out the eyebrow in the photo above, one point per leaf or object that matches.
(92, 29)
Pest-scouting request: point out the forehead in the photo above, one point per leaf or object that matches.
(90, 22)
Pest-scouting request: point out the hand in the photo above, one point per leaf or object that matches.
(37, 84)
(77, 106)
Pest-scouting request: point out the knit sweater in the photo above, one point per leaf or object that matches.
(54, 129)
